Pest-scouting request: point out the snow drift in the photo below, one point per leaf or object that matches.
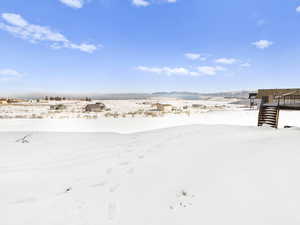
(202, 174)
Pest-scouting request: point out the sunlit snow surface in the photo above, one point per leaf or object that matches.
(201, 174)
(150, 171)
(131, 125)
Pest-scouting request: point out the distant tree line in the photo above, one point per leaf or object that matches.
(58, 98)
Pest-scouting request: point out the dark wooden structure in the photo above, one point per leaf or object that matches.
(98, 107)
(269, 115)
(252, 98)
(274, 100)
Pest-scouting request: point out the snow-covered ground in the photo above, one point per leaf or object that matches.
(212, 168)
(241, 117)
(201, 174)
(114, 108)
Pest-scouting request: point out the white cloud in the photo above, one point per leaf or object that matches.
(227, 61)
(90, 48)
(19, 27)
(9, 74)
(261, 22)
(194, 56)
(298, 9)
(143, 3)
(14, 19)
(165, 70)
(200, 71)
(77, 4)
(262, 44)
(210, 70)
(245, 65)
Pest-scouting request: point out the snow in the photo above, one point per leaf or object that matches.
(240, 117)
(209, 167)
(124, 108)
(196, 174)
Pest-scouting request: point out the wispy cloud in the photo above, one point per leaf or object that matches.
(194, 56)
(245, 65)
(298, 9)
(262, 44)
(227, 61)
(16, 25)
(261, 22)
(169, 71)
(76, 4)
(145, 3)
(210, 70)
(9, 74)
(139, 3)
(165, 70)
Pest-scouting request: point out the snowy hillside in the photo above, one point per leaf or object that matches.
(202, 174)
(130, 125)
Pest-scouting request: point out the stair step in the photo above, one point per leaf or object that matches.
(264, 114)
(270, 110)
(271, 124)
(268, 115)
(267, 119)
(272, 116)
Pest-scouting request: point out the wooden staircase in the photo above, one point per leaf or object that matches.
(268, 115)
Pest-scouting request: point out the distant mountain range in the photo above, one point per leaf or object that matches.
(126, 96)
(195, 95)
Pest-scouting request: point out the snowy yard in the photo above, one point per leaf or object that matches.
(239, 117)
(212, 167)
(75, 109)
(200, 174)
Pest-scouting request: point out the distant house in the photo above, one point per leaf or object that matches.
(57, 98)
(14, 100)
(163, 107)
(199, 106)
(282, 95)
(3, 101)
(252, 97)
(98, 107)
(274, 100)
(58, 107)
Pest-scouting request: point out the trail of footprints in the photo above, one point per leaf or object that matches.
(108, 181)
(183, 199)
(122, 166)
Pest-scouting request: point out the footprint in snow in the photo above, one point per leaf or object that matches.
(101, 184)
(130, 150)
(141, 156)
(130, 171)
(126, 163)
(114, 188)
(25, 200)
(109, 171)
(111, 210)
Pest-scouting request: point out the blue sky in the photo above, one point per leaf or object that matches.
(148, 45)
